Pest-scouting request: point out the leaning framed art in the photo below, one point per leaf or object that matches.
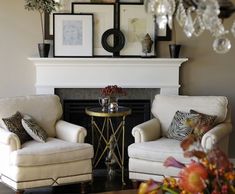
(65, 7)
(135, 23)
(103, 20)
(131, 1)
(73, 35)
(163, 34)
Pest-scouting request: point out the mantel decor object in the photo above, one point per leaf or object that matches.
(43, 7)
(118, 40)
(43, 49)
(112, 92)
(174, 50)
(147, 44)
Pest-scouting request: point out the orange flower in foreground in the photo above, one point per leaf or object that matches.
(149, 187)
(192, 178)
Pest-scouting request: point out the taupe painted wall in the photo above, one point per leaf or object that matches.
(19, 35)
(206, 73)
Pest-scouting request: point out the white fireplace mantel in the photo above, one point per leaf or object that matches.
(160, 73)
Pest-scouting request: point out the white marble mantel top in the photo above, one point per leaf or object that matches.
(98, 72)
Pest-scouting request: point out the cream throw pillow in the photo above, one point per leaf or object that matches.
(33, 129)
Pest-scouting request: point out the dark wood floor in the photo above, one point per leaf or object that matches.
(101, 183)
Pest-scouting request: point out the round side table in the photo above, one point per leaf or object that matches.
(109, 135)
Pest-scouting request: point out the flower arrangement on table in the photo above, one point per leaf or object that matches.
(113, 91)
(210, 173)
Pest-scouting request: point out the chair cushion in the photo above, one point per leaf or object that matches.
(33, 129)
(54, 151)
(45, 109)
(164, 107)
(13, 124)
(157, 151)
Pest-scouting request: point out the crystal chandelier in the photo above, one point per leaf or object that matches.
(195, 16)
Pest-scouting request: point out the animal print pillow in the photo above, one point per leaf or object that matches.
(179, 127)
(13, 124)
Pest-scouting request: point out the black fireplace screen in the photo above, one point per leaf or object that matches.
(74, 112)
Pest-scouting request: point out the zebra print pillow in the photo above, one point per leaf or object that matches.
(33, 129)
(179, 128)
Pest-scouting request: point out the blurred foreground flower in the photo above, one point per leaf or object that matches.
(212, 173)
(193, 178)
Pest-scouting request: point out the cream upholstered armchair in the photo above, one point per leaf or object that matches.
(151, 147)
(64, 158)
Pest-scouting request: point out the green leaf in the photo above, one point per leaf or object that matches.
(43, 6)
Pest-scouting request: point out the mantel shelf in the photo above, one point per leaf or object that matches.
(160, 73)
(108, 60)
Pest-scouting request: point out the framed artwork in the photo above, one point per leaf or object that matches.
(131, 1)
(64, 8)
(48, 26)
(73, 35)
(102, 1)
(135, 23)
(163, 35)
(103, 20)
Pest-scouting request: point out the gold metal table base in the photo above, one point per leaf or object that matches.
(109, 135)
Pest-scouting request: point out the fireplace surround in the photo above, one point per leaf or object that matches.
(78, 81)
(162, 73)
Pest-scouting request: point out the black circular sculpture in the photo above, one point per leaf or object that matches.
(119, 40)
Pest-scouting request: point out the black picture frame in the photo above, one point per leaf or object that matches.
(131, 1)
(48, 18)
(48, 35)
(101, 22)
(166, 37)
(73, 35)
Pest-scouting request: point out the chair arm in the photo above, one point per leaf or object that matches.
(147, 131)
(70, 132)
(214, 135)
(10, 139)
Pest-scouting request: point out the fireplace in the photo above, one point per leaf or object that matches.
(75, 100)
(78, 81)
(74, 112)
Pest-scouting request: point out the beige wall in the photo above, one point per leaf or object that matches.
(19, 34)
(206, 73)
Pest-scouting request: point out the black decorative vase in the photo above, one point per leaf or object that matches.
(43, 49)
(174, 50)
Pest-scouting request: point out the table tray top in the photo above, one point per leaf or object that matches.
(98, 112)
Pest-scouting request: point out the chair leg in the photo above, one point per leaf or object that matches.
(83, 188)
(135, 184)
(19, 192)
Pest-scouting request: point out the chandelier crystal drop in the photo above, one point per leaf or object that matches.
(221, 45)
(233, 29)
(195, 16)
